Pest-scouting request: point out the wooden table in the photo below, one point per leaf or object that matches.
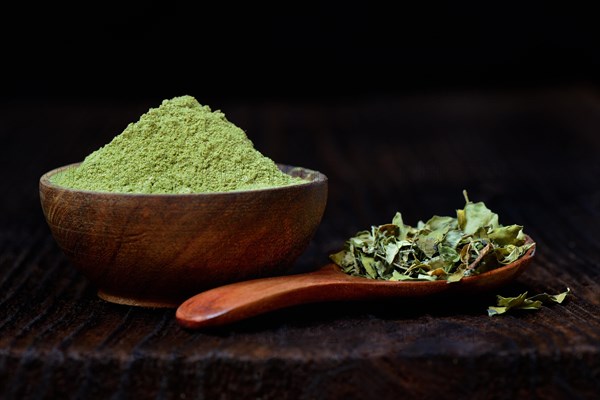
(532, 156)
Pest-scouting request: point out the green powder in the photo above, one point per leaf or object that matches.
(179, 147)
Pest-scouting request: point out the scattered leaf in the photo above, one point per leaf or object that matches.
(522, 302)
(551, 298)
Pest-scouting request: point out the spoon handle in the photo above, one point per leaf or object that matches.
(242, 300)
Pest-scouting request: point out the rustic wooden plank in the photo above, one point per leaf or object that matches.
(58, 340)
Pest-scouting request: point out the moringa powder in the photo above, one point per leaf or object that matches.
(179, 147)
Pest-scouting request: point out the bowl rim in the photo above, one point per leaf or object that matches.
(313, 178)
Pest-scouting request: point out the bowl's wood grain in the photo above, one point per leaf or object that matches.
(157, 250)
(231, 303)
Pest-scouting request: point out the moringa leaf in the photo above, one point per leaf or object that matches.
(510, 302)
(453, 238)
(397, 276)
(441, 223)
(448, 254)
(507, 235)
(522, 302)
(437, 263)
(443, 248)
(340, 258)
(369, 265)
(456, 276)
(427, 244)
(480, 256)
(551, 298)
(426, 277)
(397, 220)
(476, 216)
(437, 272)
(391, 250)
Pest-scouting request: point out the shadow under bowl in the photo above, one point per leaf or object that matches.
(156, 250)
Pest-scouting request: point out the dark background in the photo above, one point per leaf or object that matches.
(402, 110)
(504, 78)
(305, 50)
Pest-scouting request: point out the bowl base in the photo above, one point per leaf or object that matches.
(138, 302)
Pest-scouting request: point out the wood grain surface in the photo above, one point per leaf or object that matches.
(532, 156)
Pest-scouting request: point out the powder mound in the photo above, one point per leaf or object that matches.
(179, 147)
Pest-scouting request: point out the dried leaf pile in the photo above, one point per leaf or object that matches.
(443, 248)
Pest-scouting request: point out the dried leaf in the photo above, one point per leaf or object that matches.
(340, 257)
(482, 254)
(397, 220)
(449, 254)
(522, 302)
(551, 298)
(391, 250)
(369, 265)
(427, 244)
(441, 223)
(477, 215)
(437, 272)
(453, 238)
(444, 247)
(456, 276)
(507, 235)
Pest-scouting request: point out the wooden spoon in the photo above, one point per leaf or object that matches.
(237, 301)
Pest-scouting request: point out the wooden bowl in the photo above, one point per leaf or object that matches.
(158, 250)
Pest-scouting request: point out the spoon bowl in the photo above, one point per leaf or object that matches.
(238, 301)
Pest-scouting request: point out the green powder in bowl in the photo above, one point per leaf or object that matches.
(179, 147)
